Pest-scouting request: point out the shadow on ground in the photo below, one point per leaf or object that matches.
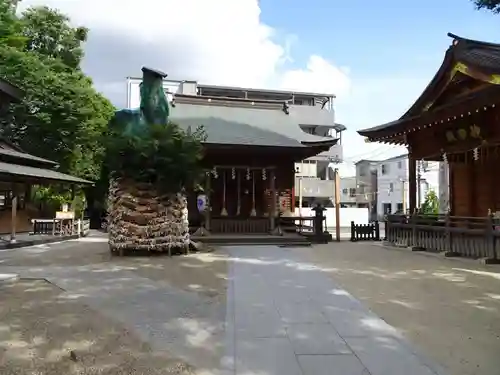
(38, 330)
(449, 308)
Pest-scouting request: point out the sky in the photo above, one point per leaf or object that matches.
(375, 56)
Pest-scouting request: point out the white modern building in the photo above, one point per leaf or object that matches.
(348, 192)
(392, 183)
(313, 112)
(367, 186)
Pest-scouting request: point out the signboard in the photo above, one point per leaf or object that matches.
(65, 215)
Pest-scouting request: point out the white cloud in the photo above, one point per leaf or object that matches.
(319, 76)
(218, 41)
(225, 42)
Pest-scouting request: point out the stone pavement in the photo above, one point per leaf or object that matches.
(282, 316)
(285, 316)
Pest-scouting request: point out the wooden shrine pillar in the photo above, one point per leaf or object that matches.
(13, 214)
(272, 183)
(412, 183)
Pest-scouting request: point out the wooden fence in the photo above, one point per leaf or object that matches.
(58, 227)
(473, 237)
(365, 232)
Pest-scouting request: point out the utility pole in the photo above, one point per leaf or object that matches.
(337, 204)
(300, 196)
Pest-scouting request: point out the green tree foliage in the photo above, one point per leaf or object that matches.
(61, 117)
(162, 154)
(492, 5)
(431, 204)
(10, 27)
(47, 31)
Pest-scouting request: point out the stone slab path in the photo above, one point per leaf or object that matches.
(285, 316)
(282, 316)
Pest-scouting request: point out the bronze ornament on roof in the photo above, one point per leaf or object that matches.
(474, 132)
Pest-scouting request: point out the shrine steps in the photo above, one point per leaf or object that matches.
(252, 240)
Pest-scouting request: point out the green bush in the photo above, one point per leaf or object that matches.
(163, 155)
(431, 204)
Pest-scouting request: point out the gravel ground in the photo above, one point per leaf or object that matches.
(450, 309)
(38, 330)
(205, 273)
(38, 327)
(86, 251)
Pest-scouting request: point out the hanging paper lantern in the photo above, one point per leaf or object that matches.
(214, 172)
(264, 177)
(248, 173)
(233, 173)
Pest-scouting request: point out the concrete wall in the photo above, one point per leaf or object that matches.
(314, 187)
(358, 215)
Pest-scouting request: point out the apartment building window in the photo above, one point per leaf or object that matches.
(391, 188)
(400, 207)
(387, 208)
(385, 169)
(362, 171)
(352, 192)
(344, 191)
(400, 164)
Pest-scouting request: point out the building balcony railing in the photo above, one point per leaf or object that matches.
(314, 187)
(312, 115)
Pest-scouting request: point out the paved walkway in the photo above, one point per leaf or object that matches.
(282, 316)
(287, 317)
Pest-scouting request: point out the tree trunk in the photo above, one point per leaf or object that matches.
(140, 219)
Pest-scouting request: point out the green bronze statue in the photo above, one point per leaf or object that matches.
(153, 108)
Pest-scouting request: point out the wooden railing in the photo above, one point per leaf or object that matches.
(233, 225)
(57, 227)
(365, 232)
(473, 237)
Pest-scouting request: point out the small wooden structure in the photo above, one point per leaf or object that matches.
(365, 232)
(18, 172)
(250, 161)
(455, 120)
